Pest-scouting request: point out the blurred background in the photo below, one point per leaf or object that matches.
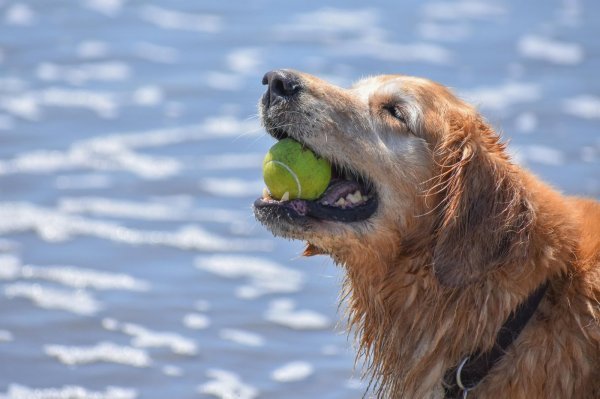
(130, 263)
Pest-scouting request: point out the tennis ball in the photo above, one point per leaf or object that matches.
(290, 168)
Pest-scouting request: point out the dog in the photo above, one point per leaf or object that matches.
(454, 256)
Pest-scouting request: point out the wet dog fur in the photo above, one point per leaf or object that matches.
(461, 236)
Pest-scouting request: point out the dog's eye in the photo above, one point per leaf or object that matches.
(396, 112)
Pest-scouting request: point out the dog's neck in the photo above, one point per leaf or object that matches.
(411, 329)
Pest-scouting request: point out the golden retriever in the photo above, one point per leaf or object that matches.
(445, 241)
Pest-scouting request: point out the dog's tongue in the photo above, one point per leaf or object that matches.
(338, 189)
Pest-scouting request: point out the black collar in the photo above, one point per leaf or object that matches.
(473, 368)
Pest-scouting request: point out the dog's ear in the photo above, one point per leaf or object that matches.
(484, 216)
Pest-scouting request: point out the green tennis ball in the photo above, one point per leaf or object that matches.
(291, 168)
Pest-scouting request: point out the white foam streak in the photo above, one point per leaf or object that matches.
(356, 33)
(461, 10)
(117, 152)
(172, 19)
(78, 302)
(5, 336)
(245, 61)
(231, 161)
(227, 385)
(16, 391)
(52, 225)
(232, 187)
(293, 371)
(92, 49)
(107, 7)
(180, 210)
(10, 269)
(545, 49)
(28, 104)
(19, 14)
(386, 51)
(242, 337)
(172, 371)
(156, 53)
(336, 20)
(196, 321)
(85, 278)
(281, 311)
(102, 352)
(443, 32)
(83, 73)
(584, 106)
(504, 96)
(145, 338)
(264, 275)
(538, 154)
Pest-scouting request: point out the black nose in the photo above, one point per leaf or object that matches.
(282, 85)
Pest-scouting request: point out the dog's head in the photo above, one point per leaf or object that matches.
(432, 175)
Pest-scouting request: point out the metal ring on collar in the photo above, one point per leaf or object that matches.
(458, 376)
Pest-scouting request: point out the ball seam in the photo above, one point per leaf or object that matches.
(293, 175)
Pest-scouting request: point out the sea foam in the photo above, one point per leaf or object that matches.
(282, 312)
(264, 276)
(52, 225)
(227, 385)
(78, 302)
(16, 391)
(102, 352)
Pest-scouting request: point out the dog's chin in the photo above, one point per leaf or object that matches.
(348, 203)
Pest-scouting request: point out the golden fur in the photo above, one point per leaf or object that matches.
(461, 237)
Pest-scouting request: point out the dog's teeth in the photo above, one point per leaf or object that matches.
(355, 197)
(341, 202)
(286, 196)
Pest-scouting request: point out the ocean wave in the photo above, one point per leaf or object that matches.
(293, 371)
(156, 53)
(545, 49)
(282, 312)
(585, 106)
(503, 96)
(357, 33)
(232, 187)
(71, 276)
(83, 73)
(241, 337)
(76, 301)
(196, 321)
(264, 275)
(525, 154)
(16, 391)
(54, 226)
(5, 336)
(117, 152)
(224, 384)
(20, 14)
(173, 19)
(461, 10)
(143, 337)
(106, 352)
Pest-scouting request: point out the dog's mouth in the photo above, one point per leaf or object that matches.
(350, 197)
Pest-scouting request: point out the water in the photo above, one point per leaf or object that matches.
(130, 262)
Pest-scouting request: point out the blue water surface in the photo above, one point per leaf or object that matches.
(130, 262)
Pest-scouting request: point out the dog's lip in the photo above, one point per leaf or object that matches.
(304, 210)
